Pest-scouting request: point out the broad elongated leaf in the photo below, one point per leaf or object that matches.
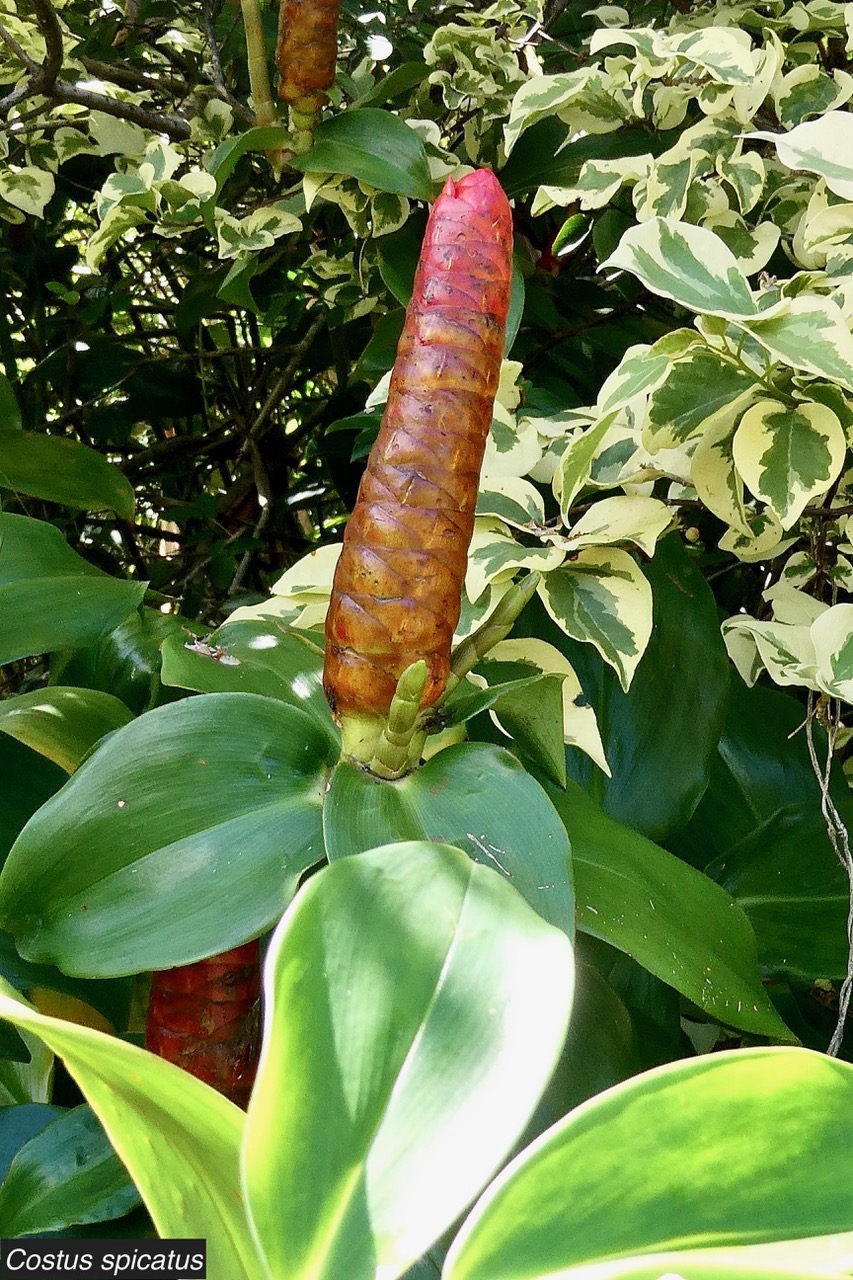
(672, 919)
(62, 724)
(28, 781)
(62, 470)
(691, 265)
(10, 414)
(374, 147)
(19, 1124)
(727, 1151)
(178, 1138)
(473, 796)
(789, 456)
(224, 159)
(50, 598)
(787, 879)
(431, 1002)
(125, 663)
(206, 802)
(252, 657)
(602, 597)
(66, 1174)
(682, 679)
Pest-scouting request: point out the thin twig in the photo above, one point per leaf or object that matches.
(840, 840)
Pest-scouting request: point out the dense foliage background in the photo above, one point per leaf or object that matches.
(199, 316)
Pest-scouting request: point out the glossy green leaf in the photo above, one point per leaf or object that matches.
(224, 159)
(208, 801)
(62, 470)
(110, 998)
(466, 701)
(533, 717)
(474, 796)
(761, 764)
(397, 82)
(787, 879)
(747, 1148)
(125, 663)
(66, 1174)
(677, 923)
(28, 780)
(691, 265)
(681, 681)
(178, 1138)
(398, 255)
(415, 1008)
(62, 724)
(372, 146)
(20, 1123)
(50, 598)
(252, 657)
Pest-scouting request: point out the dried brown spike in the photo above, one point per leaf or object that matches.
(397, 588)
(307, 50)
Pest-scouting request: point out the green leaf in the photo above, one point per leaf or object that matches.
(474, 796)
(697, 388)
(533, 717)
(551, 156)
(681, 680)
(252, 657)
(20, 1123)
(396, 83)
(466, 701)
(672, 919)
(50, 598)
(821, 146)
(126, 662)
(787, 879)
(789, 455)
(10, 414)
(374, 147)
(178, 1138)
(601, 597)
(62, 470)
(28, 781)
(688, 264)
(808, 333)
(208, 801)
(224, 159)
(398, 256)
(429, 1004)
(745, 1148)
(575, 465)
(62, 724)
(66, 1174)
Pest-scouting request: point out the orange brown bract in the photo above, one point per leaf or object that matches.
(204, 1017)
(307, 51)
(397, 589)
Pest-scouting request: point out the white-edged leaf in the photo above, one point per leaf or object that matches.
(832, 638)
(715, 476)
(624, 518)
(789, 455)
(807, 333)
(575, 466)
(540, 97)
(312, 575)
(512, 499)
(823, 146)
(698, 387)
(580, 727)
(785, 649)
(603, 598)
(642, 368)
(688, 264)
(497, 555)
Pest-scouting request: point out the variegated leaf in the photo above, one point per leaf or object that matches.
(753, 247)
(763, 539)
(789, 455)
(832, 637)
(580, 727)
(602, 598)
(786, 650)
(574, 469)
(688, 264)
(699, 387)
(312, 575)
(512, 499)
(822, 146)
(808, 333)
(723, 52)
(627, 518)
(495, 554)
(715, 476)
(642, 368)
(746, 174)
(541, 97)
